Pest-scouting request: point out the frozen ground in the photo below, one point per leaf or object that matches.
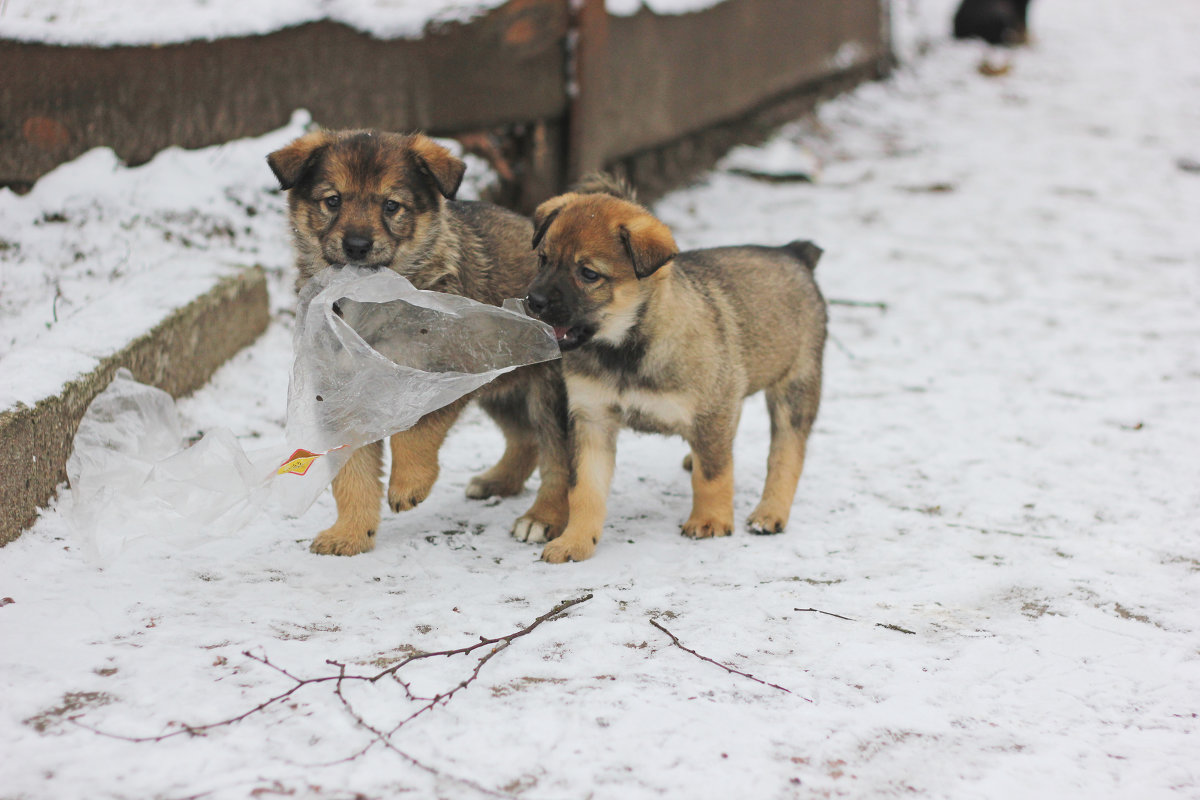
(1000, 506)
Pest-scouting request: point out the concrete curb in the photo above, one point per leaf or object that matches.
(178, 355)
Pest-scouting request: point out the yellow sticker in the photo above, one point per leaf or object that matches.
(298, 463)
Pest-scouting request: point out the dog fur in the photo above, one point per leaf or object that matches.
(386, 200)
(668, 342)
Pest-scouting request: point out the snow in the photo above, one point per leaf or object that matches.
(1004, 472)
(152, 22)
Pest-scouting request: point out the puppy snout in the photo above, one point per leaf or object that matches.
(356, 246)
(536, 303)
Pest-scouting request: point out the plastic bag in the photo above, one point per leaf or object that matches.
(131, 476)
(373, 355)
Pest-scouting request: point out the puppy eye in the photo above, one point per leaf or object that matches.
(588, 275)
(390, 207)
(333, 201)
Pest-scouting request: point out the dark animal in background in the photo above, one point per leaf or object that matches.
(1003, 22)
(386, 200)
(668, 342)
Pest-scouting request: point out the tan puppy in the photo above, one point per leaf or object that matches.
(386, 200)
(668, 342)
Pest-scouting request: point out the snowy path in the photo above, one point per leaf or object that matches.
(1001, 505)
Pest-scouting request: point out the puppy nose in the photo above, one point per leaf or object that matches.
(536, 303)
(356, 247)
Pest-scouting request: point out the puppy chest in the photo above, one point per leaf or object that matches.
(638, 409)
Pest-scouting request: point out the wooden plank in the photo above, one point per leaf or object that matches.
(646, 80)
(504, 67)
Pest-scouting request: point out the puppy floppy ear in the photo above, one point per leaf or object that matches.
(291, 162)
(546, 213)
(648, 243)
(446, 170)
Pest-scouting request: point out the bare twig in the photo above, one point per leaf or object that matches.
(483, 641)
(386, 740)
(501, 643)
(842, 347)
(675, 641)
(834, 301)
(889, 626)
(826, 613)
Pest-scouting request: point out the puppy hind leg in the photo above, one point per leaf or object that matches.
(792, 409)
(508, 476)
(357, 491)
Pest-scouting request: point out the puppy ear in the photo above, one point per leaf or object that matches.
(291, 162)
(546, 213)
(446, 170)
(648, 243)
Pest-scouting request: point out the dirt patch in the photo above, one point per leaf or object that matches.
(72, 702)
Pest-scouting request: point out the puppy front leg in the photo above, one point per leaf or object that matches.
(593, 448)
(547, 518)
(357, 492)
(415, 456)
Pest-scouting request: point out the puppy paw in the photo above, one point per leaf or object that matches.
(406, 490)
(484, 486)
(566, 548)
(706, 527)
(343, 540)
(534, 531)
(765, 521)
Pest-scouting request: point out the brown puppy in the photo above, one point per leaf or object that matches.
(386, 200)
(669, 342)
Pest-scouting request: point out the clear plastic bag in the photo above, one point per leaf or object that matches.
(373, 355)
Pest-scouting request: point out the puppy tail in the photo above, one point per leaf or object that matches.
(606, 183)
(808, 253)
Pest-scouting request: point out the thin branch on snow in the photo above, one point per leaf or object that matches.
(834, 301)
(675, 641)
(887, 625)
(500, 642)
(826, 613)
(483, 641)
(386, 740)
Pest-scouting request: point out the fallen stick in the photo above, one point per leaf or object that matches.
(675, 641)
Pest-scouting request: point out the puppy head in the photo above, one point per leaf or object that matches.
(599, 258)
(363, 197)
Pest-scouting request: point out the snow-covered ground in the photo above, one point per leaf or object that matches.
(152, 22)
(990, 583)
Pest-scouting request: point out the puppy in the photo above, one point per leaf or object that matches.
(668, 342)
(386, 201)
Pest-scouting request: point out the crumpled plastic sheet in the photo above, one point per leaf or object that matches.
(373, 355)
